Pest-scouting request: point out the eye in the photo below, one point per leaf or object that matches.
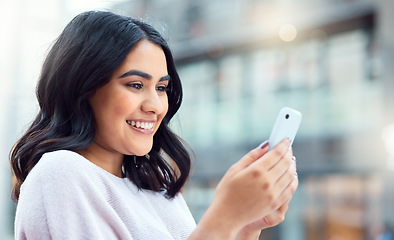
(135, 85)
(162, 88)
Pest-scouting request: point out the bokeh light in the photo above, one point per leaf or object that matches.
(287, 32)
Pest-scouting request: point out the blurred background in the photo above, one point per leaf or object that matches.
(240, 62)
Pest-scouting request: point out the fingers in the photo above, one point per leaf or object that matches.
(287, 156)
(278, 171)
(272, 157)
(270, 220)
(276, 163)
(287, 169)
(276, 168)
(294, 185)
(252, 156)
(278, 216)
(284, 177)
(264, 177)
(288, 191)
(264, 145)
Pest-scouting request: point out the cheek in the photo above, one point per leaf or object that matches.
(165, 106)
(122, 105)
(121, 109)
(111, 120)
(111, 112)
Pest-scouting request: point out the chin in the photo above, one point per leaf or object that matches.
(143, 151)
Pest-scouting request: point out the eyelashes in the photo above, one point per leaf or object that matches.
(139, 86)
(162, 88)
(135, 85)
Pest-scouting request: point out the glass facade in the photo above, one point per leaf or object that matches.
(237, 73)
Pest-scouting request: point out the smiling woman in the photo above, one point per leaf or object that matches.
(92, 165)
(79, 88)
(129, 109)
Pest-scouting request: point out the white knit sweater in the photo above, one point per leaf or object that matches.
(65, 196)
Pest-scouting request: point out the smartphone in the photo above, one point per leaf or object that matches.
(286, 126)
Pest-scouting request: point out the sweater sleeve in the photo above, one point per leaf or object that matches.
(30, 220)
(60, 200)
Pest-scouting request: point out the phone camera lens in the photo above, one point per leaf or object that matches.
(287, 116)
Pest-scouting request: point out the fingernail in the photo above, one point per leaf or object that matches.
(263, 144)
(296, 174)
(294, 159)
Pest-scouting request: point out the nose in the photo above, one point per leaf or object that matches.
(152, 102)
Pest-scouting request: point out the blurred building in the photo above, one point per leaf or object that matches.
(242, 60)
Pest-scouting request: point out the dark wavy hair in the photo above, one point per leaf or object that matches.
(90, 48)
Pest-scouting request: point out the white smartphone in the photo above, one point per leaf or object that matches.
(286, 126)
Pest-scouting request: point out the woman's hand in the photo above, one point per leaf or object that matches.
(252, 230)
(257, 186)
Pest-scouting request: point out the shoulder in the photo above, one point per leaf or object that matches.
(63, 195)
(60, 180)
(60, 165)
(60, 169)
(47, 183)
(59, 161)
(67, 174)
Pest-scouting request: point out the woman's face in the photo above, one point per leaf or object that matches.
(128, 110)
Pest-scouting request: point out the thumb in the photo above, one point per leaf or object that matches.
(253, 155)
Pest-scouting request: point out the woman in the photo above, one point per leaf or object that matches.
(100, 162)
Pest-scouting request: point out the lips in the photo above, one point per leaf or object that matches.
(140, 124)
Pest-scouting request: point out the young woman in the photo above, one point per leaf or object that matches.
(100, 162)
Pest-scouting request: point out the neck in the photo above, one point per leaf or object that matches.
(107, 160)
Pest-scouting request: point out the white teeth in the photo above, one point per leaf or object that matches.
(143, 125)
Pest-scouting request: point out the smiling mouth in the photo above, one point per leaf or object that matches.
(141, 125)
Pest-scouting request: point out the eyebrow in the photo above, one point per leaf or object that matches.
(144, 75)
